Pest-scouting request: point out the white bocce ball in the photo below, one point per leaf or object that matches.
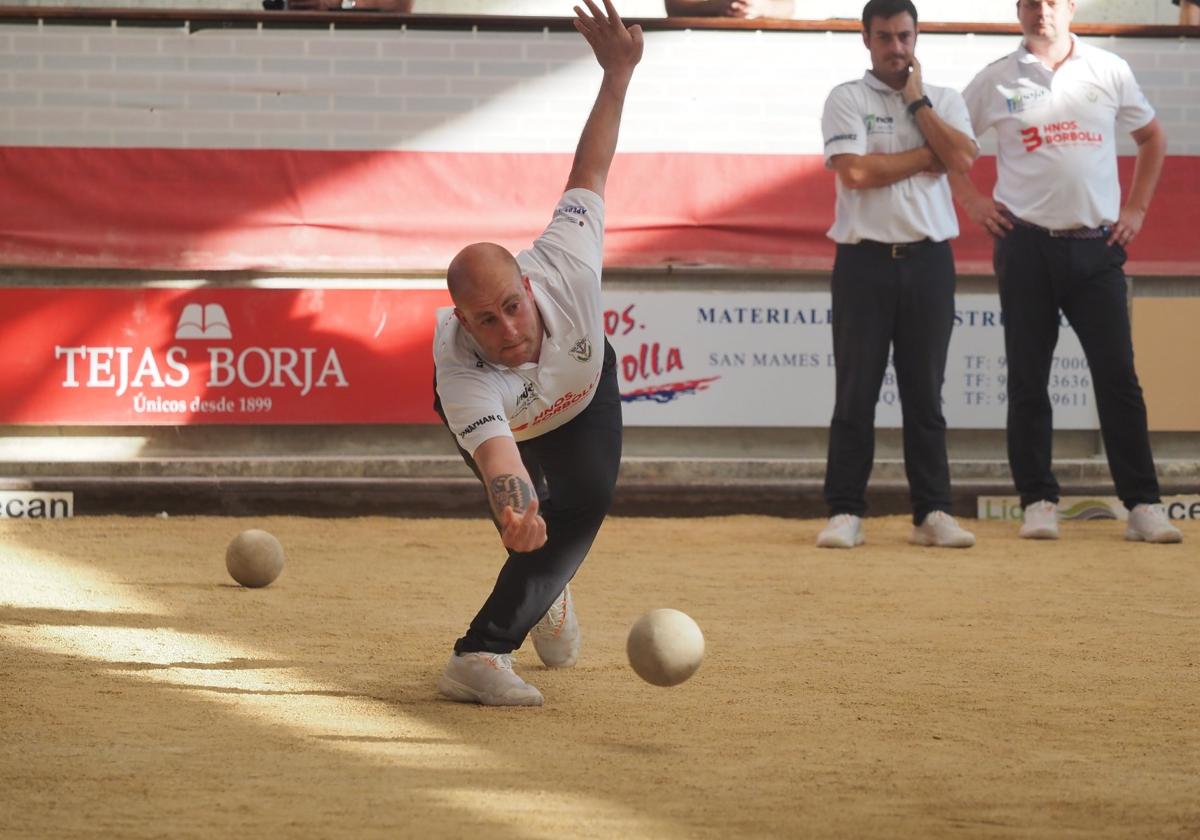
(665, 647)
(254, 558)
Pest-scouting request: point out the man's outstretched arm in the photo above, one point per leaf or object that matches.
(618, 49)
(511, 494)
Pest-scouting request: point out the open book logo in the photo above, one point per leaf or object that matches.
(205, 322)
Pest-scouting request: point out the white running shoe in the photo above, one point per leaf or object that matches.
(556, 637)
(940, 528)
(843, 531)
(486, 678)
(1150, 523)
(1040, 521)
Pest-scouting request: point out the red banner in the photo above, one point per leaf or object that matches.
(189, 356)
(216, 209)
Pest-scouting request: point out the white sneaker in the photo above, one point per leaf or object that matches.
(939, 528)
(843, 531)
(1040, 521)
(1149, 523)
(486, 678)
(556, 637)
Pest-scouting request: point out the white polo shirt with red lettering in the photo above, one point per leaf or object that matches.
(866, 117)
(482, 400)
(1056, 132)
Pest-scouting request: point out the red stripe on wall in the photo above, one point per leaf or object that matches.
(394, 211)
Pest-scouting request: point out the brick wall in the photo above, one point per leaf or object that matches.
(466, 91)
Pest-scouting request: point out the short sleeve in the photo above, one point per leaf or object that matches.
(1134, 111)
(974, 97)
(473, 407)
(842, 124)
(574, 239)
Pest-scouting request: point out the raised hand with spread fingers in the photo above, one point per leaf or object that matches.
(618, 49)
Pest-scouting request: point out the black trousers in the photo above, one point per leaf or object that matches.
(1085, 278)
(881, 301)
(574, 472)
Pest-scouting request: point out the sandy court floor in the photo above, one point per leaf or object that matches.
(1013, 690)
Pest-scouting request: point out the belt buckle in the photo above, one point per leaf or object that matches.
(899, 250)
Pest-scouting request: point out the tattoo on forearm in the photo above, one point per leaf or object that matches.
(511, 490)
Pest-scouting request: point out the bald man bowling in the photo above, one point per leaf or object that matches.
(527, 384)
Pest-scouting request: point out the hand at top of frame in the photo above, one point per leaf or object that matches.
(617, 48)
(731, 8)
(363, 5)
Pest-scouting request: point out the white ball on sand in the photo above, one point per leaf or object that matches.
(665, 647)
(254, 558)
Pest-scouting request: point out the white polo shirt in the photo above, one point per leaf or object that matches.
(482, 400)
(1056, 133)
(866, 117)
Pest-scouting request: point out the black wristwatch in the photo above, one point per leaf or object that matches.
(918, 104)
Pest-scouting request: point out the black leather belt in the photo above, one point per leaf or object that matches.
(897, 250)
(1101, 232)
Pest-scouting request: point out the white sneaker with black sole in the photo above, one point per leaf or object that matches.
(1150, 523)
(556, 638)
(487, 679)
(940, 529)
(842, 531)
(1039, 521)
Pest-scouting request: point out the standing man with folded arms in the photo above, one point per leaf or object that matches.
(891, 138)
(527, 383)
(1060, 237)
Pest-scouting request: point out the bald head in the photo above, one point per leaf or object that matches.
(482, 267)
(494, 303)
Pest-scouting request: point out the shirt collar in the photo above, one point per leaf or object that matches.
(878, 84)
(544, 303)
(1024, 56)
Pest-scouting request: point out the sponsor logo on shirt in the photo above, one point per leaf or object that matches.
(564, 214)
(561, 404)
(581, 350)
(835, 138)
(527, 396)
(482, 421)
(1065, 133)
(1021, 99)
(879, 125)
